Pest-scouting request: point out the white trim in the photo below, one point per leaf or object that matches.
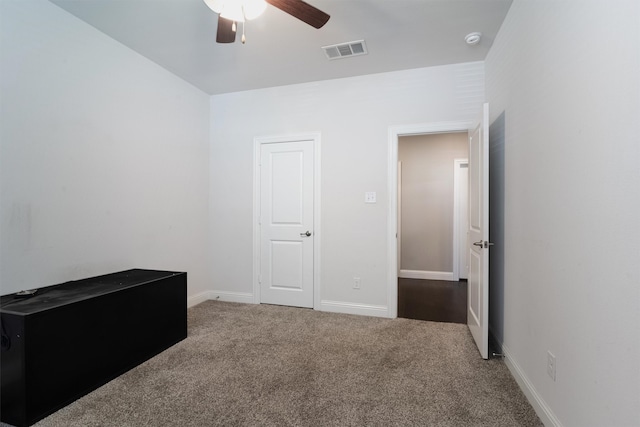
(456, 216)
(426, 275)
(392, 224)
(399, 219)
(256, 219)
(243, 297)
(257, 142)
(197, 299)
(543, 410)
(317, 235)
(354, 308)
(392, 188)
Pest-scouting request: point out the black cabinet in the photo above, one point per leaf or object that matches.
(70, 339)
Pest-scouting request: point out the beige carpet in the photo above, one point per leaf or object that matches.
(260, 365)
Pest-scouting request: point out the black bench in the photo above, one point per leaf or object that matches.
(69, 339)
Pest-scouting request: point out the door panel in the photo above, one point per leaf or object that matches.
(287, 197)
(478, 281)
(287, 267)
(286, 215)
(475, 264)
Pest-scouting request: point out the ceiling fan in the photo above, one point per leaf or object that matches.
(230, 12)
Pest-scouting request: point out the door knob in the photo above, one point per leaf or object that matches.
(307, 234)
(482, 244)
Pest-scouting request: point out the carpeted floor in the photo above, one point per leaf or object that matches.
(261, 365)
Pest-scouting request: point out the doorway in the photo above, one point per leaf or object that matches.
(432, 224)
(433, 300)
(395, 132)
(478, 281)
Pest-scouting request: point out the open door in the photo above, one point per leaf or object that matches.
(478, 280)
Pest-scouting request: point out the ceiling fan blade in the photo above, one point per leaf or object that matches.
(225, 31)
(303, 11)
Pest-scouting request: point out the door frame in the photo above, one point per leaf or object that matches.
(395, 132)
(399, 219)
(458, 231)
(257, 144)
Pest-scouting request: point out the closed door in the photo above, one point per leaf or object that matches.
(478, 281)
(286, 223)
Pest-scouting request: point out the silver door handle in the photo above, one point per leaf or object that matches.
(482, 244)
(307, 234)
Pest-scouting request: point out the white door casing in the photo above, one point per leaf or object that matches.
(285, 221)
(478, 259)
(460, 218)
(399, 233)
(394, 133)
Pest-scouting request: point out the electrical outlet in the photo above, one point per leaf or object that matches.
(356, 283)
(551, 365)
(370, 197)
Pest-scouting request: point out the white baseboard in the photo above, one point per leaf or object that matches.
(246, 298)
(197, 299)
(543, 411)
(243, 297)
(354, 308)
(329, 306)
(426, 275)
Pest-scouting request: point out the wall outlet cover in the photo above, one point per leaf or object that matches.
(551, 365)
(370, 197)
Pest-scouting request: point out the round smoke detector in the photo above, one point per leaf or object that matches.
(472, 38)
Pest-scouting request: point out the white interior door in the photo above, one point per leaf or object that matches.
(478, 280)
(286, 223)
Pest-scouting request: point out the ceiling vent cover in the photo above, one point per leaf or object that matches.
(345, 50)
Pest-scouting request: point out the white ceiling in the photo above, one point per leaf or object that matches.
(179, 35)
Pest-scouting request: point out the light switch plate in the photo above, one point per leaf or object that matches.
(370, 197)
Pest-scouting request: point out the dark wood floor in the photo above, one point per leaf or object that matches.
(435, 300)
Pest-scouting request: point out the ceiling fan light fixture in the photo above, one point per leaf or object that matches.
(253, 8)
(215, 5)
(232, 12)
(237, 10)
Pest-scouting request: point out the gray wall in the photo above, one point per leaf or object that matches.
(496, 228)
(571, 205)
(104, 163)
(427, 199)
(355, 155)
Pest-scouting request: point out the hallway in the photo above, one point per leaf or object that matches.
(434, 300)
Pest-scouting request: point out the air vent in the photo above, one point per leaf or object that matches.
(345, 50)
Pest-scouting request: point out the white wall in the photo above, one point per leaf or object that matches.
(566, 74)
(353, 116)
(104, 156)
